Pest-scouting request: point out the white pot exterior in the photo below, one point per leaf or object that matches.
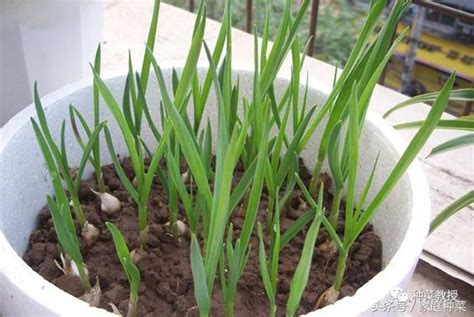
(49, 41)
(402, 221)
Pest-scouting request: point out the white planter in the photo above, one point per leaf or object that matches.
(51, 41)
(402, 221)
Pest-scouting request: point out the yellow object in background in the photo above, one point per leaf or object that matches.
(436, 58)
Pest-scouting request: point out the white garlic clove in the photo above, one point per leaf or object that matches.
(328, 247)
(93, 296)
(108, 202)
(75, 270)
(185, 176)
(181, 226)
(137, 255)
(135, 182)
(329, 297)
(90, 234)
(68, 266)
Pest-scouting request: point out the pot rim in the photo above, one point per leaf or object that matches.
(16, 272)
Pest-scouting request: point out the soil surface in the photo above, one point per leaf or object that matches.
(166, 287)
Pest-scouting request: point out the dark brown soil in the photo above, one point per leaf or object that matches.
(166, 288)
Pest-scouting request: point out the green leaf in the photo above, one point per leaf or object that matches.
(131, 270)
(358, 55)
(150, 43)
(189, 69)
(127, 133)
(453, 208)
(133, 273)
(218, 48)
(296, 227)
(185, 138)
(275, 242)
(146, 110)
(292, 149)
(96, 148)
(256, 191)
(60, 162)
(65, 229)
(135, 119)
(408, 156)
(366, 190)
(73, 113)
(177, 181)
(301, 275)
(50, 164)
(465, 94)
(86, 154)
(333, 157)
(97, 66)
(201, 292)
(119, 242)
(118, 167)
(281, 136)
(353, 154)
(243, 185)
(316, 206)
(262, 260)
(63, 143)
(453, 144)
(451, 124)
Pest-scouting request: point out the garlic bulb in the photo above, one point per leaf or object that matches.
(108, 203)
(328, 247)
(75, 270)
(137, 255)
(90, 234)
(185, 176)
(329, 297)
(135, 182)
(181, 226)
(68, 266)
(92, 297)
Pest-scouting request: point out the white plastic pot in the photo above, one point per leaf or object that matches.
(402, 221)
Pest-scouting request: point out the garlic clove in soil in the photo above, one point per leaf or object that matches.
(75, 270)
(185, 176)
(135, 182)
(90, 234)
(108, 202)
(303, 204)
(329, 297)
(327, 247)
(137, 254)
(93, 296)
(181, 226)
(68, 266)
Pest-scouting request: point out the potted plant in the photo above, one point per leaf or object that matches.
(206, 205)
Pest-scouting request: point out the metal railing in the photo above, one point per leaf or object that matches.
(435, 6)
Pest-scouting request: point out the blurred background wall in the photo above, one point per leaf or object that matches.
(48, 41)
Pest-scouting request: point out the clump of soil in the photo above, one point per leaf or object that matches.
(166, 287)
